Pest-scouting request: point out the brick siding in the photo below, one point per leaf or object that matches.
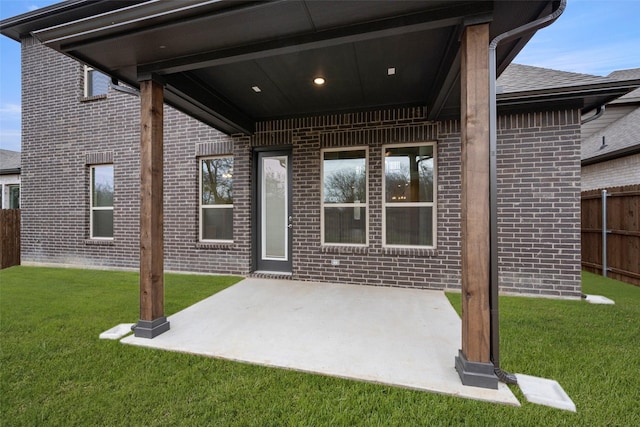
(612, 173)
(539, 188)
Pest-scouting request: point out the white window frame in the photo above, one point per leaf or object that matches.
(87, 79)
(342, 205)
(202, 206)
(98, 208)
(432, 204)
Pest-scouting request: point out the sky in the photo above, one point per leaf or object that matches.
(591, 37)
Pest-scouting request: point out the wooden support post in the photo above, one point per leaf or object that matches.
(473, 362)
(152, 319)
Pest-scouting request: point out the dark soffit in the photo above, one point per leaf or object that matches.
(211, 53)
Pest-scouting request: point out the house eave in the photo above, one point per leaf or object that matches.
(14, 171)
(623, 152)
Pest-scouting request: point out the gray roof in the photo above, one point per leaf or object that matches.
(623, 135)
(520, 78)
(9, 161)
(632, 73)
(525, 86)
(620, 136)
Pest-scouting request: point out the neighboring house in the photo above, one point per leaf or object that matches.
(322, 141)
(9, 179)
(611, 142)
(610, 153)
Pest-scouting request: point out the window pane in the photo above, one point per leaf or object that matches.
(345, 225)
(98, 83)
(102, 185)
(217, 223)
(409, 226)
(409, 174)
(345, 176)
(14, 197)
(102, 223)
(217, 181)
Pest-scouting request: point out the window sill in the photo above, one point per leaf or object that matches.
(215, 245)
(96, 242)
(93, 98)
(409, 251)
(330, 249)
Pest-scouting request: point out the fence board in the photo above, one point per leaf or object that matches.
(623, 237)
(9, 237)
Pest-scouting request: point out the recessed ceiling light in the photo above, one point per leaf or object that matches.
(256, 89)
(319, 81)
(162, 46)
(391, 71)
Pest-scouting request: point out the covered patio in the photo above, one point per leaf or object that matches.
(234, 65)
(332, 329)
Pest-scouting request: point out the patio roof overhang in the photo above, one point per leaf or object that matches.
(205, 57)
(210, 54)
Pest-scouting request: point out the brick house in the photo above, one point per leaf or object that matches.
(611, 142)
(610, 151)
(369, 175)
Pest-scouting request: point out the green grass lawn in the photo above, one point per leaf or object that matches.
(55, 371)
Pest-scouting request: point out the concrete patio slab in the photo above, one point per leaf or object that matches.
(401, 337)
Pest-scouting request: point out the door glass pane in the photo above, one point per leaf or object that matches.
(274, 211)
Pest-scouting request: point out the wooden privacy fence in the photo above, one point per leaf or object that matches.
(9, 237)
(619, 209)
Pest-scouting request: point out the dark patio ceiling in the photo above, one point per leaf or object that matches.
(211, 53)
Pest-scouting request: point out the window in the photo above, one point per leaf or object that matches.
(95, 82)
(14, 196)
(101, 202)
(344, 197)
(216, 199)
(409, 195)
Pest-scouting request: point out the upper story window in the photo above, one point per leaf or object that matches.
(95, 82)
(101, 201)
(344, 196)
(409, 195)
(216, 199)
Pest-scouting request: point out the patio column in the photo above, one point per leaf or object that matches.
(473, 361)
(152, 319)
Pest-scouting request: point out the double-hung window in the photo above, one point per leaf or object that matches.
(409, 195)
(344, 196)
(95, 82)
(101, 202)
(216, 199)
